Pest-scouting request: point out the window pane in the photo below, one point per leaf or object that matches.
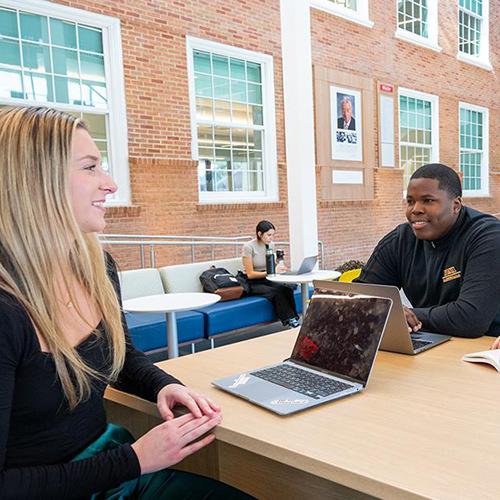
(9, 53)
(222, 111)
(240, 113)
(11, 84)
(65, 62)
(90, 39)
(238, 91)
(256, 160)
(103, 149)
(94, 94)
(36, 57)
(92, 67)
(67, 90)
(206, 153)
(34, 27)
(202, 62)
(205, 136)
(221, 65)
(253, 72)
(204, 109)
(238, 69)
(203, 85)
(222, 137)
(221, 88)
(38, 86)
(63, 33)
(254, 93)
(256, 115)
(96, 125)
(239, 138)
(8, 23)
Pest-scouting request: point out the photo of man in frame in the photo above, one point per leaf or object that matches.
(346, 106)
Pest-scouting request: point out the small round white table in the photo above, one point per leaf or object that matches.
(170, 303)
(304, 280)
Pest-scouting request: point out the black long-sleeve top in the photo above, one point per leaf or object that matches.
(39, 435)
(454, 283)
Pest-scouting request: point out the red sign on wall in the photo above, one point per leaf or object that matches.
(385, 87)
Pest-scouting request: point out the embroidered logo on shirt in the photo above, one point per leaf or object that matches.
(451, 274)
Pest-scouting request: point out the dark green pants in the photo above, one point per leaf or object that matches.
(159, 485)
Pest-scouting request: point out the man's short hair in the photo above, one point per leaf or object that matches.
(447, 178)
(346, 100)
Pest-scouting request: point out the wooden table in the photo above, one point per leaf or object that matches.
(170, 304)
(427, 426)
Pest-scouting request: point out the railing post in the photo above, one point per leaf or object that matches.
(152, 255)
(143, 262)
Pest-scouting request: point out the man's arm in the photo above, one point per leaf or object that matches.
(382, 267)
(478, 302)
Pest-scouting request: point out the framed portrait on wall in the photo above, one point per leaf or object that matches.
(346, 124)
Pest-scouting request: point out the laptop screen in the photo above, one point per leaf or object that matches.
(341, 333)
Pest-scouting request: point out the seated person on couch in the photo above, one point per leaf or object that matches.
(446, 258)
(254, 262)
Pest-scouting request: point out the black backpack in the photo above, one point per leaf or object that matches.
(220, 281)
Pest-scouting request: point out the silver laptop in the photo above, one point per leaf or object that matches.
(306, 267)
(397, 338)
(332, 358)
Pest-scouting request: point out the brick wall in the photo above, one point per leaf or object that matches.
(163, 176)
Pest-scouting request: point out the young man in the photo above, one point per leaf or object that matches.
(446, 258)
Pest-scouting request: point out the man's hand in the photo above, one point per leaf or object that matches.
(414, 324)
(496, 344)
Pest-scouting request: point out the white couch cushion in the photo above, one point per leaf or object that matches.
(140, 282)
(186, 277)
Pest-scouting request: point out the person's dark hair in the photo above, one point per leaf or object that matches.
(263, 226)
(447, 178)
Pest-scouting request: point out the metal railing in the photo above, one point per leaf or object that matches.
(144, 241)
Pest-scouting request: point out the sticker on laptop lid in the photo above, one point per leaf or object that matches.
(241, 380)
(289, 401)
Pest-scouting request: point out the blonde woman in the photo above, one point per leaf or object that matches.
(62, 338)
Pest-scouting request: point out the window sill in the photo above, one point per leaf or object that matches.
(238, 205)
(344, 13)
(478, 195)
(235, 198)
(480, 63)
(417, 40)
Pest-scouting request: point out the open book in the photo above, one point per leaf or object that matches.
(492, 357)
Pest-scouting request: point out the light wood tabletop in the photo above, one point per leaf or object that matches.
(427, 426)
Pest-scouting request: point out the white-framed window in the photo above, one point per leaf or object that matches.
(232, 122)
(68, 59)
(418, 130)
(353, 10)
(418, 22)
(474, 147)
(473, 32)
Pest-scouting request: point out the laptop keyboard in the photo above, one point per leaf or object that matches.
(302, 381)
(417, 344)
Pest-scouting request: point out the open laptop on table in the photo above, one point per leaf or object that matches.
(306, 267)
(332, 358)
(397, 338)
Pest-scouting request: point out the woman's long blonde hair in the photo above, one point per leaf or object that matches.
(40, 239)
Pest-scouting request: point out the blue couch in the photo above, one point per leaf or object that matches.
(148, 331)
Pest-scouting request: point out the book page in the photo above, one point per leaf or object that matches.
(492, 357)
